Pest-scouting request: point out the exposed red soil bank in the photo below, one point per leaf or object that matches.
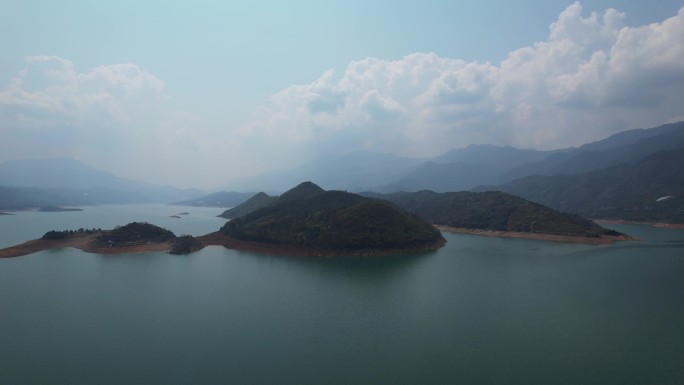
(88, 243)
(602, 240)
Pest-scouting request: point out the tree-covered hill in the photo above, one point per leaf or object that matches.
(308, 216)
(649, 190)
(136, 232)
(492, 211)
(258, 201)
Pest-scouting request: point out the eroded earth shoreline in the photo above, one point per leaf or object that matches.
(600, 240)
(89, 244)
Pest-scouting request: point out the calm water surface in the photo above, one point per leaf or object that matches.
(479, 311)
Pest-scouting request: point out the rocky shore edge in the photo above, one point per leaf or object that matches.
(600, 240)
(89, 244)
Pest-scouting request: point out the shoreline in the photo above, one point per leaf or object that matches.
(654, 224)
(88, 244)
(602, 240)
(218, 239)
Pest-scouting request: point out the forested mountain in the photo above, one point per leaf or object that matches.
(625, 147)
(651, 189)
(491, 211)
(468, 167)
(464, 168)
(258, 201)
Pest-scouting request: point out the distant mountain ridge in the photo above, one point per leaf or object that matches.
(466, 168)
(629, 191)
(217, 199)
(40, 182)
(61, 173)
(17, 198)
(69, 183)
(353, 172)
(627, 146)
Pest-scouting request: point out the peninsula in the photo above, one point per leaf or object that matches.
(134, 237)
(495, 213)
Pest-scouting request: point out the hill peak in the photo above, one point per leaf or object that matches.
(301, 191)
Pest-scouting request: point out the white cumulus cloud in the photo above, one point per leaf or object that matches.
(591, 77)
(49, 91)
(116, 117)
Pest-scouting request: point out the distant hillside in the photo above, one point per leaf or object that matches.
(624, 147)
(33, 197)
(628, 191)
(61, 173)
(309, 217)
(258, 201)
(492, 211)
(356, 171)
(217, 199)
(69, 182)
(465, 168)
(468, 167)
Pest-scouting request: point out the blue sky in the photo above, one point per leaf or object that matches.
(176, 87)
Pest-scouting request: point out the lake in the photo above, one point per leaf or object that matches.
(481, 310)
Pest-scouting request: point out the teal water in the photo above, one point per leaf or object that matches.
(479, 311)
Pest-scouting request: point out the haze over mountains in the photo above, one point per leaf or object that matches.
(43, 182)
(617, 177)
(357, 171)
(470, 167)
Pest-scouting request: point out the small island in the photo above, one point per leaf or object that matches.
(134, 237)
(56, 209)
(4, 213)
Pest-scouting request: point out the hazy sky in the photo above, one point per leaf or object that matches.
(199, 93)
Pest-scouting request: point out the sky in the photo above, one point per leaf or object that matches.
(196, 94)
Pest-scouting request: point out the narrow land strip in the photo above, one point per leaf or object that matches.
(601, 240)
(654, 224)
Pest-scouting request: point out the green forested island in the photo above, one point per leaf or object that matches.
(134, 233)
(310, 217)
(133, 236)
